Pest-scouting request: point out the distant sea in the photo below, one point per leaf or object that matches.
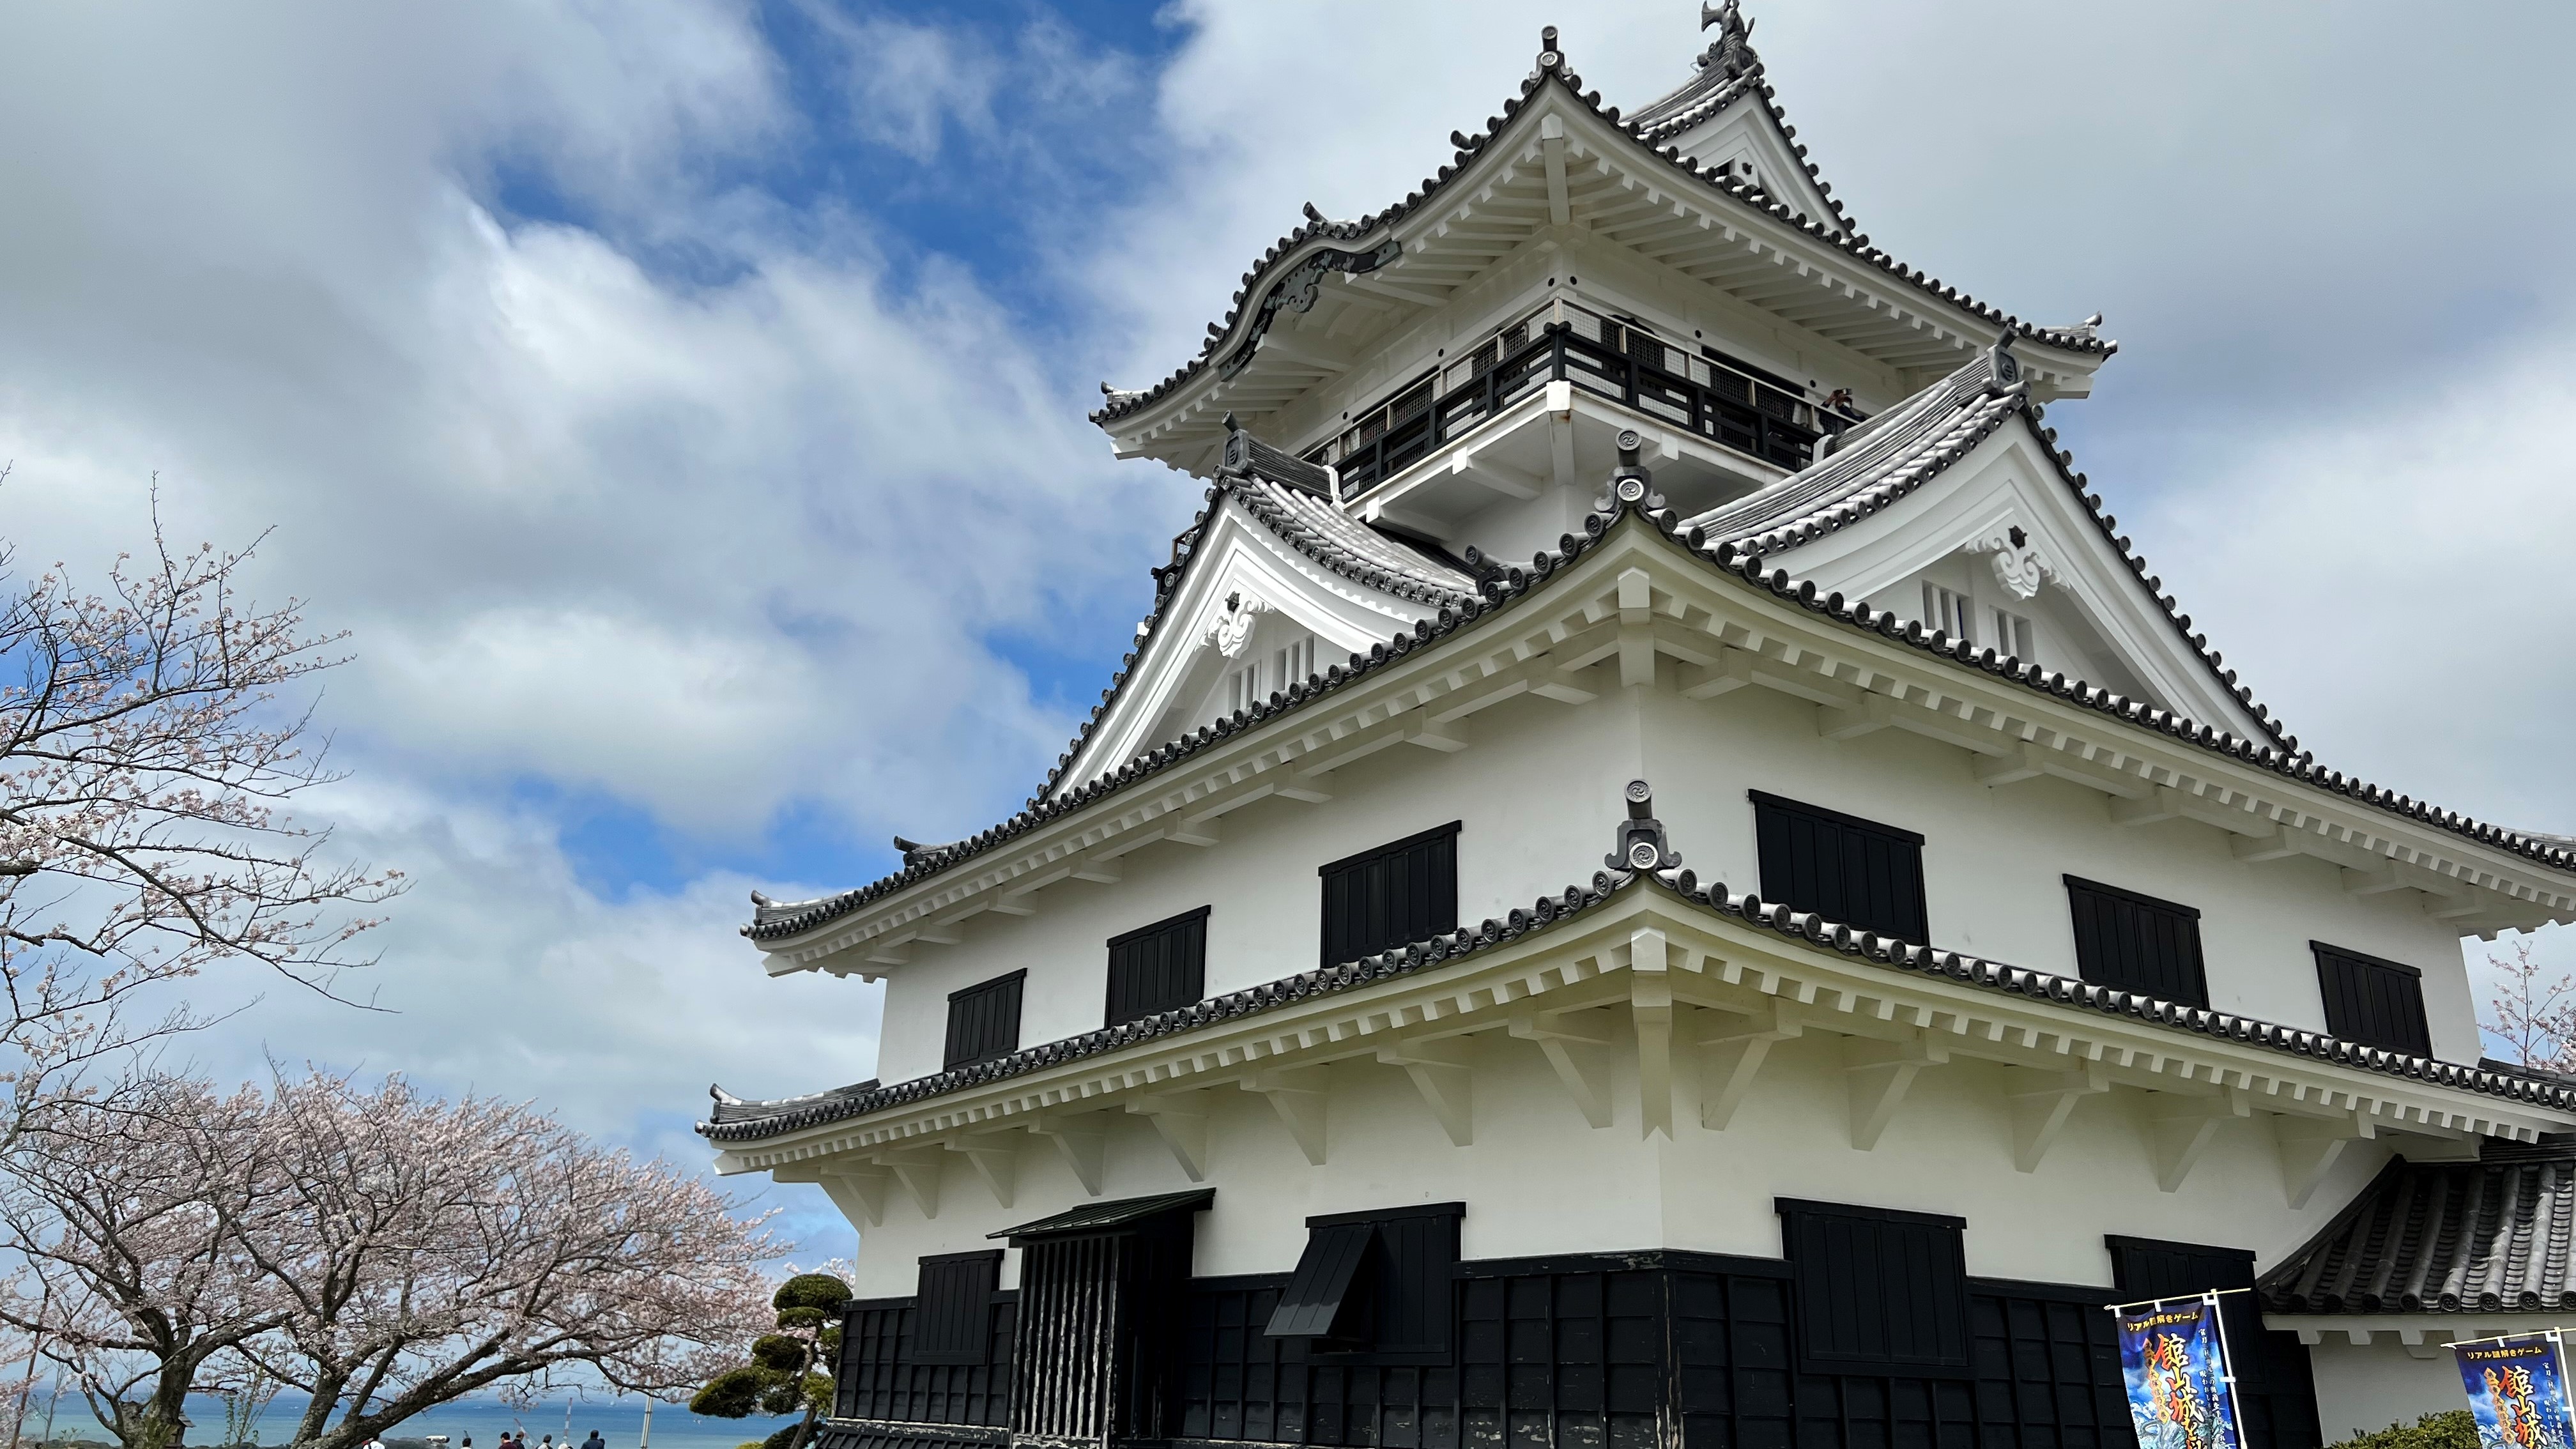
(620, 1421)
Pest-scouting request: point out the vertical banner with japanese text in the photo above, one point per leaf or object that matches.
(2173, 1358)
(2518, 1391)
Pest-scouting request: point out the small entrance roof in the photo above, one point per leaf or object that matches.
(1108, 1217)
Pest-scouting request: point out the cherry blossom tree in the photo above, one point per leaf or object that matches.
(2534, 1019)
(377, 1249)
(144, 757)
(121, 1208)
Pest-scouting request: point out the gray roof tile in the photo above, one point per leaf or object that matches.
(2443, 1237)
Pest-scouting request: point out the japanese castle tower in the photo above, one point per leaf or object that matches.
(1661, 873)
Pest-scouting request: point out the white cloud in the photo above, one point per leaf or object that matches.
(702, 506)
(714, 547)
(709, 507)
(2392, 580)
(507, 975)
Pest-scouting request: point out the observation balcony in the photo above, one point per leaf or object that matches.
(1727, 426)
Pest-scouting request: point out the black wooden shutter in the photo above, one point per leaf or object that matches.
(1161, 967)
(2274, 1384)
(1391, 896)
(1326, 1298)
(1417, 1264)
(2371, 1001)
(1846, 869)
(1378, 1287)
(984, 1021)
(2131, 942)
(952, 1314)
(1879, 1291)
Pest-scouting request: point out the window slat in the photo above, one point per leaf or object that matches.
(2131, 942)
(1391, 896)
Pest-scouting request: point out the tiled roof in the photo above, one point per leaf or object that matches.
(1095, 1217)
(1508, 587)
(2443, 1237)
(1303, 520)
(730, 1108)
(1421, 955)
(1349, 547)
(1915, 442)
(1893, 454)
(796, 1114)
(1872, 465)
(1276, 490)
(1377, 227)
(1726, 72)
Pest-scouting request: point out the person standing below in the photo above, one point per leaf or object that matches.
(594, 1441)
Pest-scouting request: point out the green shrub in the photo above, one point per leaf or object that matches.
(2452, 1430)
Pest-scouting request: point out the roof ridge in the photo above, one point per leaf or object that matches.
(1868, 493)
(1514, 584)
(2505, 1248)
(1120, 402)
(1394, 961)
(1641, 848)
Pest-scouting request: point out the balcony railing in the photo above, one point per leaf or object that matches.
(1607, 356)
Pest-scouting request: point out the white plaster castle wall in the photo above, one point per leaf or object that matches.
(1538, 1180)
(1537, 790)
(2371, 1387)
(1994, 859)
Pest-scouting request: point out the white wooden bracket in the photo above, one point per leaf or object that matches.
(2041, 1102)
(2180, 1129)
(1578, 1046)
(1441, 1071)
(996, 1156)
(1650, 1008)
(918, 1171)
(1299, 1099)
(1180, 1119)
(1083, 1143)
(1879, 1074)
(2310, 1147)
(1732, 1055)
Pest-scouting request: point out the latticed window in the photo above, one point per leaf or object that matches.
(1846, 869)
(1949, 612)
(2013, 635)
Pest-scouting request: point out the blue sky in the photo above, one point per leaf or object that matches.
(682, 403)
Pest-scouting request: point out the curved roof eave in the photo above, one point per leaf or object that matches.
(739, 1121)
(1907, 447)
(778, 923)
(1241, 328)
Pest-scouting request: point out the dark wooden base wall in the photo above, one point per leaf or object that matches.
(1611, 1351)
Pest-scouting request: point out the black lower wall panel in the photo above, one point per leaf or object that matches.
(1632, 1351)
(878, 1380)
(1564, 1356)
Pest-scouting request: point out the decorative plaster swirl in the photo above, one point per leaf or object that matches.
(1233, 629)
(2018, 566)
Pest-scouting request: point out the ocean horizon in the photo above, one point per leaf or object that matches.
(565, 1420)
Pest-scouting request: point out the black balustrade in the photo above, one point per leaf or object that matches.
(1603, 356)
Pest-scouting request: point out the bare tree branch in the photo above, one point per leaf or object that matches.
(144, 761)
